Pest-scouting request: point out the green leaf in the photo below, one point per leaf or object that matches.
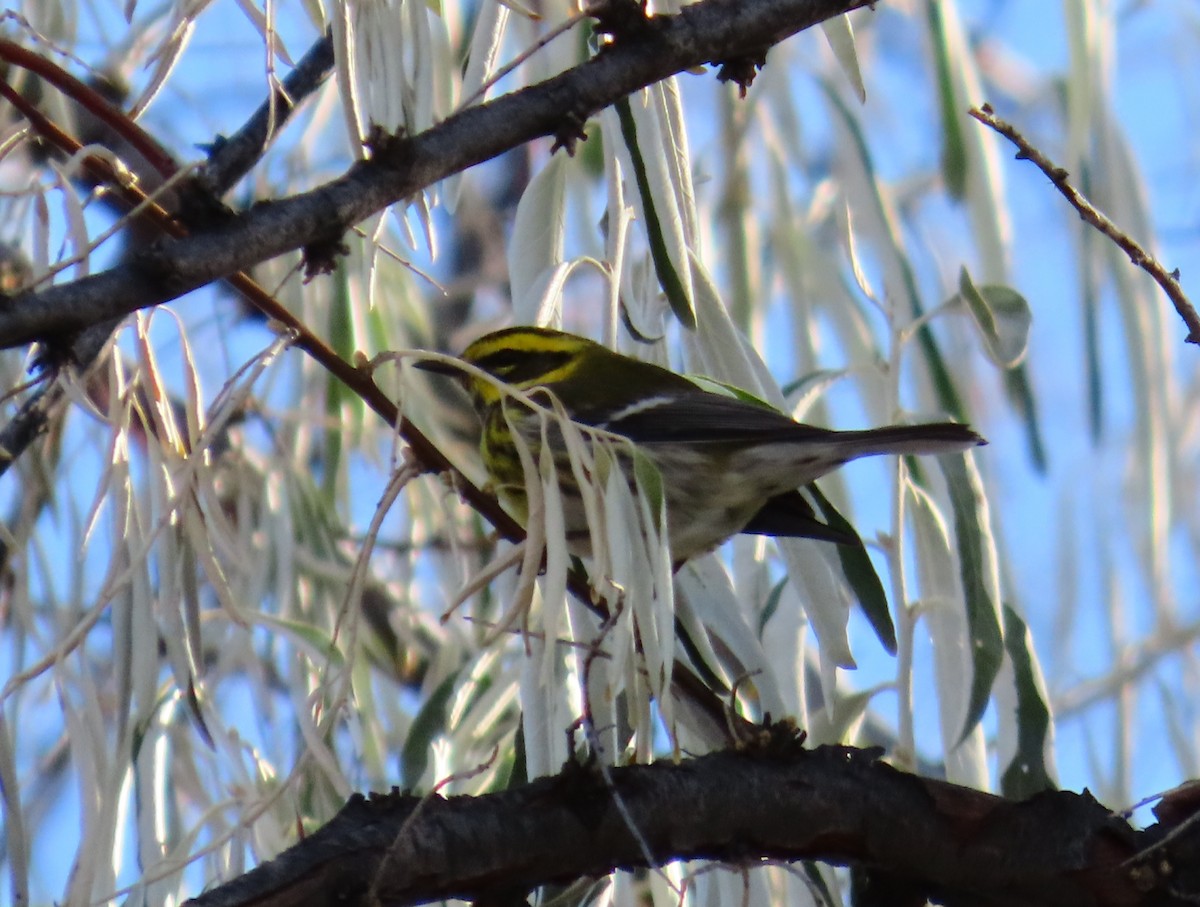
(860, 573)
(668, 277)
(812, 872)
(812, 384)
(1020, 392)
(1089, 299)
(713, 386)
(318, 640)
(1002, 316)
(696, 657)
(1026, 774)
(771, 605)
(649, 480)
(977, 565)
(340, 401)
(954, 145)
(429, 723)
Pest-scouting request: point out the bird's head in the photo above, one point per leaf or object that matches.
(523, 357)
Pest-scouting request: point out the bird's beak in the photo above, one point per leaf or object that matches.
(439, 367)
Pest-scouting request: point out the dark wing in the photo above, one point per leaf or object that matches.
(790, 515)
(696, 416)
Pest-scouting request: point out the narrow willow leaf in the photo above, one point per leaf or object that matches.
(539, 231)
(848, 710)
(16, 839)
(486, 41)
(1020, 391)
(771, 605)
(649, 481)
(943, 609)
(340, 401)
(859, 172)
(1026, 773)
(718, 348)
(522, 9)
(814, 875)
(700, 656)
(860, 573)
(664, 267)
(428, 724)
(817, 579)
(706, 590)
(554, 581)
(713, 386)
(1089, 300)
(316, 639)
(1002, 317)
(980, 582)
(840, 35)
(807, 389)
(954, 153)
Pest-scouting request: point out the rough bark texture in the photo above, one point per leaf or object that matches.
(733, 33)
(923, 838)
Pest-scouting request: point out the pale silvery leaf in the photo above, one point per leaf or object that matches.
(538, 232)
(643, 143)
(1025, 726)
(718, 349)
(486, 40)
(874, 211)
(542, 303)
(634, 577)
(706, 591)
(944, 610)
(388, 59)
(824, 593)
(808, 389)
(16, 837)
(840, 35)
(554, 582)
(970, 157)
(544, 713)
(979, 574)
(520, 9)
(677, 156)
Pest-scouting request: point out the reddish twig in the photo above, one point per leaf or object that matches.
(354, 378)
(1168, 280)
(93, 102)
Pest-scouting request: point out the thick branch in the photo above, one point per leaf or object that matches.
(715, 30)
(948, 843)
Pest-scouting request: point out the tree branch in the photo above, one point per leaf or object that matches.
(714, 30)
(1168, 280)
(778, 801)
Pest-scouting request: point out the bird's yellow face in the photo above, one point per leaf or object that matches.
(523, 357)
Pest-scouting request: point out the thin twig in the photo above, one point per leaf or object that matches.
(560, 29)
(1168, 280)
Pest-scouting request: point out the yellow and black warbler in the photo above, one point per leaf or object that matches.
(727, 465)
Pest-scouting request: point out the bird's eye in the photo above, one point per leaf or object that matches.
(517, 366)
(502, 363)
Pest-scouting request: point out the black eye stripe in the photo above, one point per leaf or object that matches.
(522, 365)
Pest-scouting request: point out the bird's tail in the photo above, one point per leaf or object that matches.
(929, 438)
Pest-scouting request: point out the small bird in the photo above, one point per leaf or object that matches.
(728, 465)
